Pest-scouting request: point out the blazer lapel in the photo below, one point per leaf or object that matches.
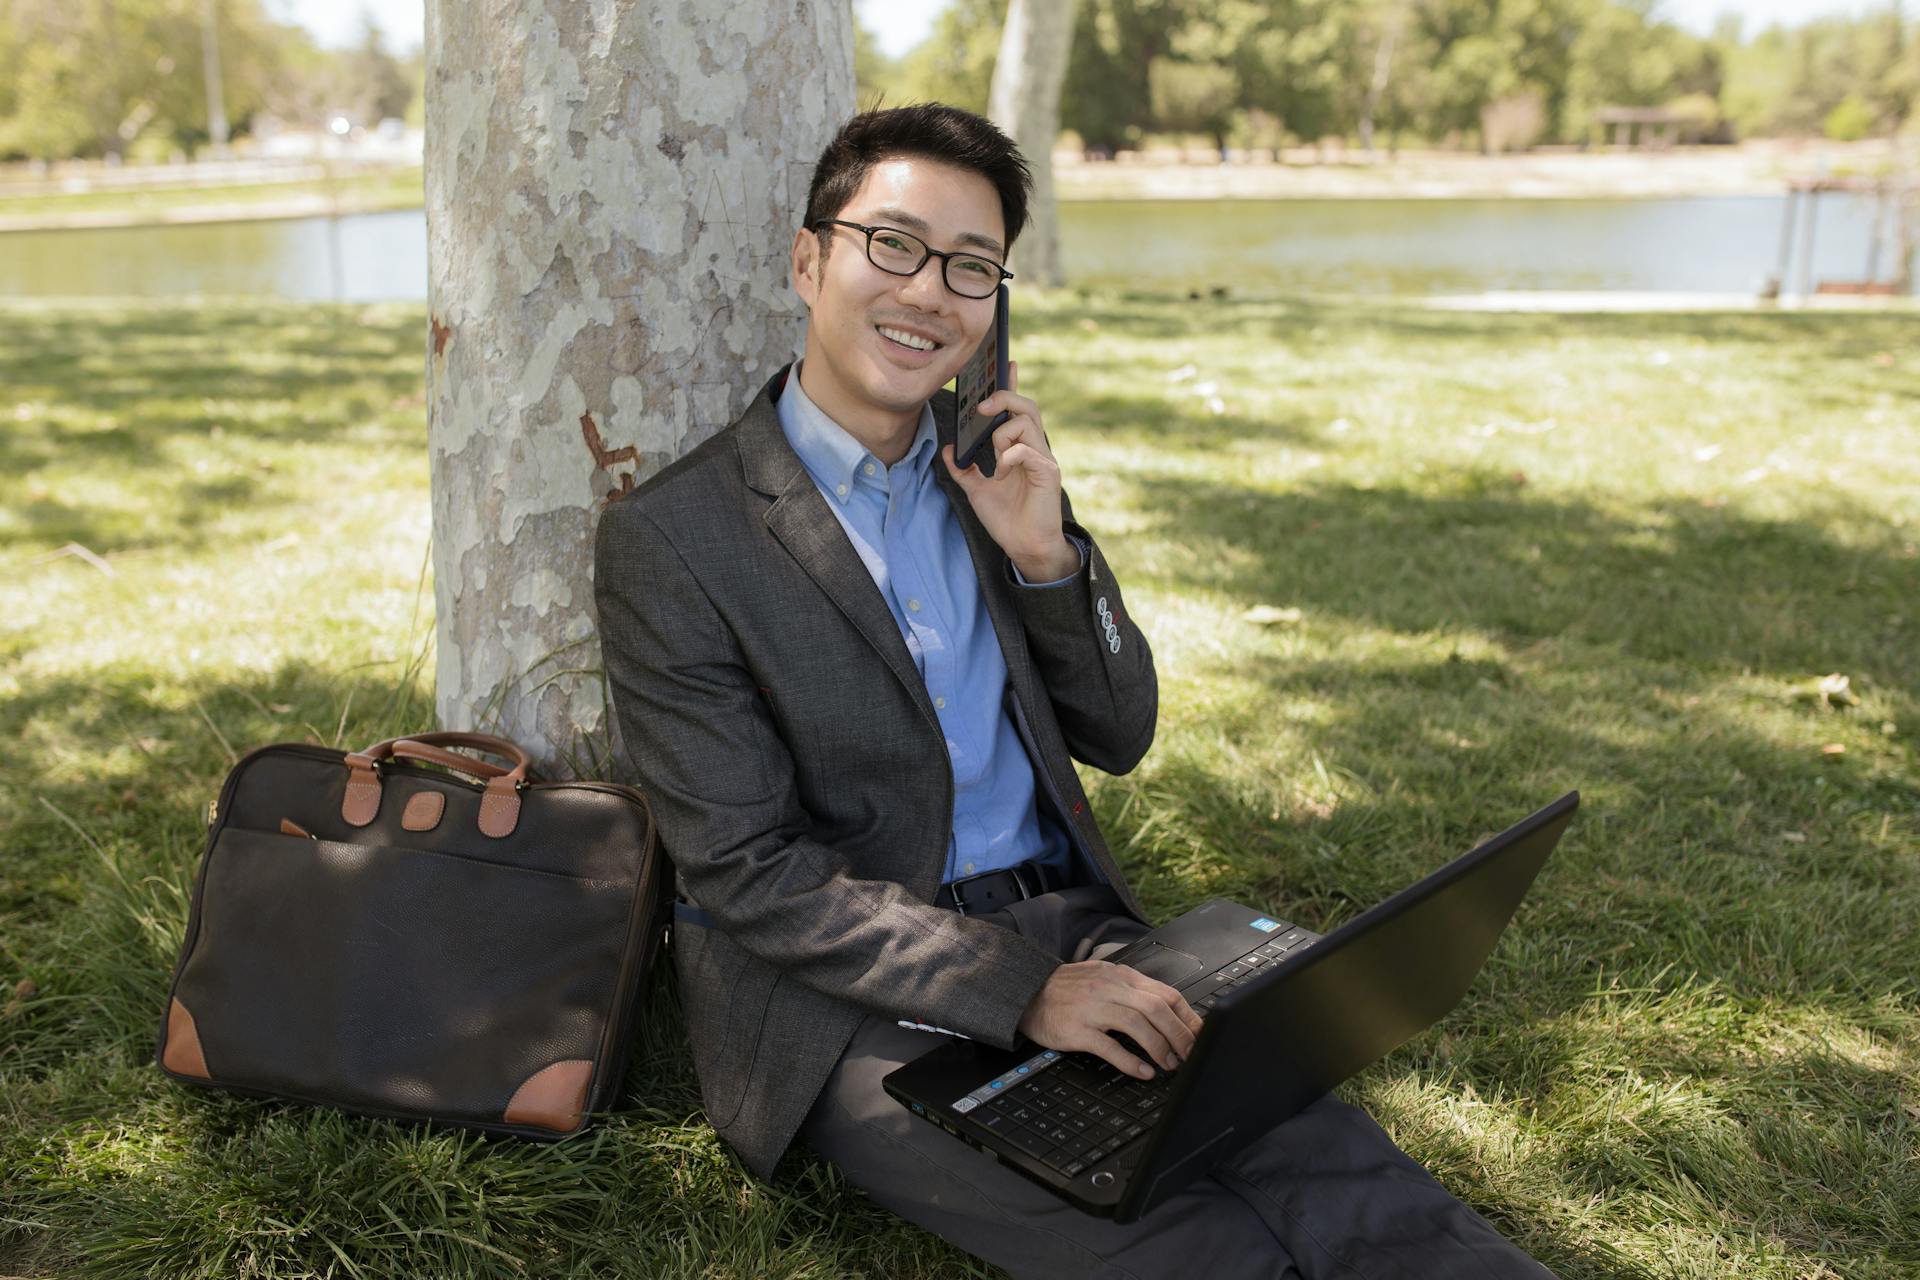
(800, 519)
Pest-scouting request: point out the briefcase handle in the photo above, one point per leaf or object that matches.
(499, 806)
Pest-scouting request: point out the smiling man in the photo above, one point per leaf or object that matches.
(854, 680)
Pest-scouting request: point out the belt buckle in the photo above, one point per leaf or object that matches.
(1020, 873)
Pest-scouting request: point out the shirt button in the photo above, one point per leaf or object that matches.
(869, 468)
(913, 605)
(940, 704)
(968, 868)
(840, 489)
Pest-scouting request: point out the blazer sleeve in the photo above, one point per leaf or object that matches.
(1093, 660)
(721, 783)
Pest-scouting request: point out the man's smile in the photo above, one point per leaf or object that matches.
(909, 339)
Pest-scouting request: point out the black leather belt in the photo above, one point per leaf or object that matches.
(992, 890)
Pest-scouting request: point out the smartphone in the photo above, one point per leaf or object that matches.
(984, 374)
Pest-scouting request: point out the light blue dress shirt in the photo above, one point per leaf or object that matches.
(907, 536)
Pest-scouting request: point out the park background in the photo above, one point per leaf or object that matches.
(1454, 456)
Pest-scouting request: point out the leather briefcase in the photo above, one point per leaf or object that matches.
(411, 932)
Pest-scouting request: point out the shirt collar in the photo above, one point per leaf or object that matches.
(831, 455)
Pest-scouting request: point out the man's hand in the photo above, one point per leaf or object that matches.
(1082, 1002)
(1020, 504)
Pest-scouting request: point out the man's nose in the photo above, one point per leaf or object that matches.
(927, 288)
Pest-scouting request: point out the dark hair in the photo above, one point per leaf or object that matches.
(927, 129)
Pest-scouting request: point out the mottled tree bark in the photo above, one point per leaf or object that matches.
(611, 190)
(1025, 103)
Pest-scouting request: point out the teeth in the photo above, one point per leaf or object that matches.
(906, 339)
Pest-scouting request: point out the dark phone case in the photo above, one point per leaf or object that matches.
(984, 373)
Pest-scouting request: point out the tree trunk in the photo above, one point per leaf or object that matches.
(611, 193)
(1382, 73)
(1025, 103)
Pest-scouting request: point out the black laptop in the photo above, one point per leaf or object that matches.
(1287, 1014)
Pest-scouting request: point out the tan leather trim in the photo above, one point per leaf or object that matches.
(288, 827)
(183, 1056)
(361, 804)
(499, 808)
(423, 811)
(553, 1097)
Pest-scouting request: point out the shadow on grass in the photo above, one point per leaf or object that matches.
(110, 1167)
(1671, 581)
(123, 393)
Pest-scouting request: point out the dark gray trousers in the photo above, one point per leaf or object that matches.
(1326, 1194)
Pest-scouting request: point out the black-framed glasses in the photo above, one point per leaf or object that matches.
(902, 254)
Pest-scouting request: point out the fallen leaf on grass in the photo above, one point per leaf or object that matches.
(1833, 749)
(1267, 615)
(1830, 690)
(1794, 837)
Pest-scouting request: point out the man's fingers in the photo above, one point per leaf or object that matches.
(1023, 456)
(1181, 1010)
(1152, 1038)
(1105, 1046)
(1019, 407)
(969, 479)
(1170, 1011)
(1172, 1029)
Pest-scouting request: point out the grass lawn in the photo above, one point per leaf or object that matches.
(1407, 576)
(355, 193)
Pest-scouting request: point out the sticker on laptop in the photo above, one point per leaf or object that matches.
(1265, 925)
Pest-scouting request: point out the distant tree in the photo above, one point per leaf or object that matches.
(953, 63)
(372, 83)
(95, 79)
(1192, 97)
(1107, 96)
(1025, 102)
(1621, 58)
(1289, 59)
(875, 75)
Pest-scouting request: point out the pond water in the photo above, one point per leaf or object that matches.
(1693, 245)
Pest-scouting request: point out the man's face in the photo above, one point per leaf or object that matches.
(860, 371)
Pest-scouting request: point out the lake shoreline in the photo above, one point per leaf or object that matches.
(1750, 169)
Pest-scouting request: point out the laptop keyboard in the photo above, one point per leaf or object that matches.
(1075, 1114)
(1070, 1111)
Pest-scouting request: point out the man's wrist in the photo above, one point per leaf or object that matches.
(1061, 561)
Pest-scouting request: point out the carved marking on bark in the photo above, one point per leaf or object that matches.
(441, 333)
(604, 458)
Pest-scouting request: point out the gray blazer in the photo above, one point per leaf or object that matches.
(799, 775)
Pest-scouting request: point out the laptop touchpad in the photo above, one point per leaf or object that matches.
(1164, 963)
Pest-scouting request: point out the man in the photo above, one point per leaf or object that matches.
(852, 677)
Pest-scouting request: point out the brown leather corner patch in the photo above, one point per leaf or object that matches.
(183, 1055)
(553, 1097)
(423, 811)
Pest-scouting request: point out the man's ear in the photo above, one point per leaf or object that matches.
(806, 266)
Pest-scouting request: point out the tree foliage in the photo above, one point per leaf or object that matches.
(1256, 71)
(89, 78)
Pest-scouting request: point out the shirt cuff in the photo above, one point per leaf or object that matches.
(1079, 545)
